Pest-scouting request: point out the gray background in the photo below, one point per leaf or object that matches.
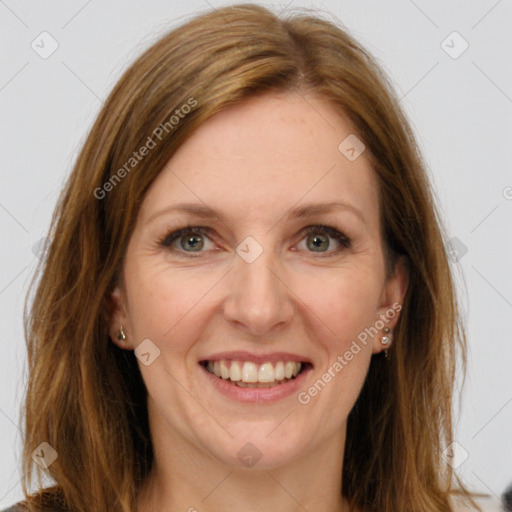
(461, 110)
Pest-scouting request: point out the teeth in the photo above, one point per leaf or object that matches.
(288, 369)
(280, 370)
(224, 371)
(235, 372)
(266, 373)
(249, 374)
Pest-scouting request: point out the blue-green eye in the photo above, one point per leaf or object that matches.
(319, 236)
(192, 239)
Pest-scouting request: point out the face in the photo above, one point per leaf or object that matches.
(257, 285)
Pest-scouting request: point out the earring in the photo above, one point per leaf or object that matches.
(385, 340)
(121, 336)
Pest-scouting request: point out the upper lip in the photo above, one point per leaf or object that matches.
(257, 358)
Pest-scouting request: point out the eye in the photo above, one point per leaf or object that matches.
(193, 238)
(189, 237)
(317, 238)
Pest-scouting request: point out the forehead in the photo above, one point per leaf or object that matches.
(263, 157)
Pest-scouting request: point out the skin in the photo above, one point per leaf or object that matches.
(254, 162)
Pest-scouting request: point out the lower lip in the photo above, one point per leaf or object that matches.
(256, 395)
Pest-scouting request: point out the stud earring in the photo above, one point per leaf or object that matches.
(386, 339)
(121, 336)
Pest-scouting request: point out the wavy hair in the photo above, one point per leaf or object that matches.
(85, 396)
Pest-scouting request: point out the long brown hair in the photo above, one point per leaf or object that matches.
(85, 397)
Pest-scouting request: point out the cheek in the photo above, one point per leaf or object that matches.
(344, 300)
(163, 302)
(347, 305)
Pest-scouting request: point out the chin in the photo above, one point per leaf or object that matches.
(257, 449)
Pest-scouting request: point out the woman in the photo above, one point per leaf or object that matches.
(300, 353)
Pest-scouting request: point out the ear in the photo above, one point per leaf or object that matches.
(118, 317)
(391, 302)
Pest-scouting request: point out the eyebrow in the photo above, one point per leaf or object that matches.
(298, 212)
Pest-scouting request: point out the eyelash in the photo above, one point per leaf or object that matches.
(344, 241)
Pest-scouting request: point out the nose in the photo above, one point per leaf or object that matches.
(259, 300)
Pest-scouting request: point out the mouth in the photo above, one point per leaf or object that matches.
(248, 374)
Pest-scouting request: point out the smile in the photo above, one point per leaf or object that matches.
(252, 375)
